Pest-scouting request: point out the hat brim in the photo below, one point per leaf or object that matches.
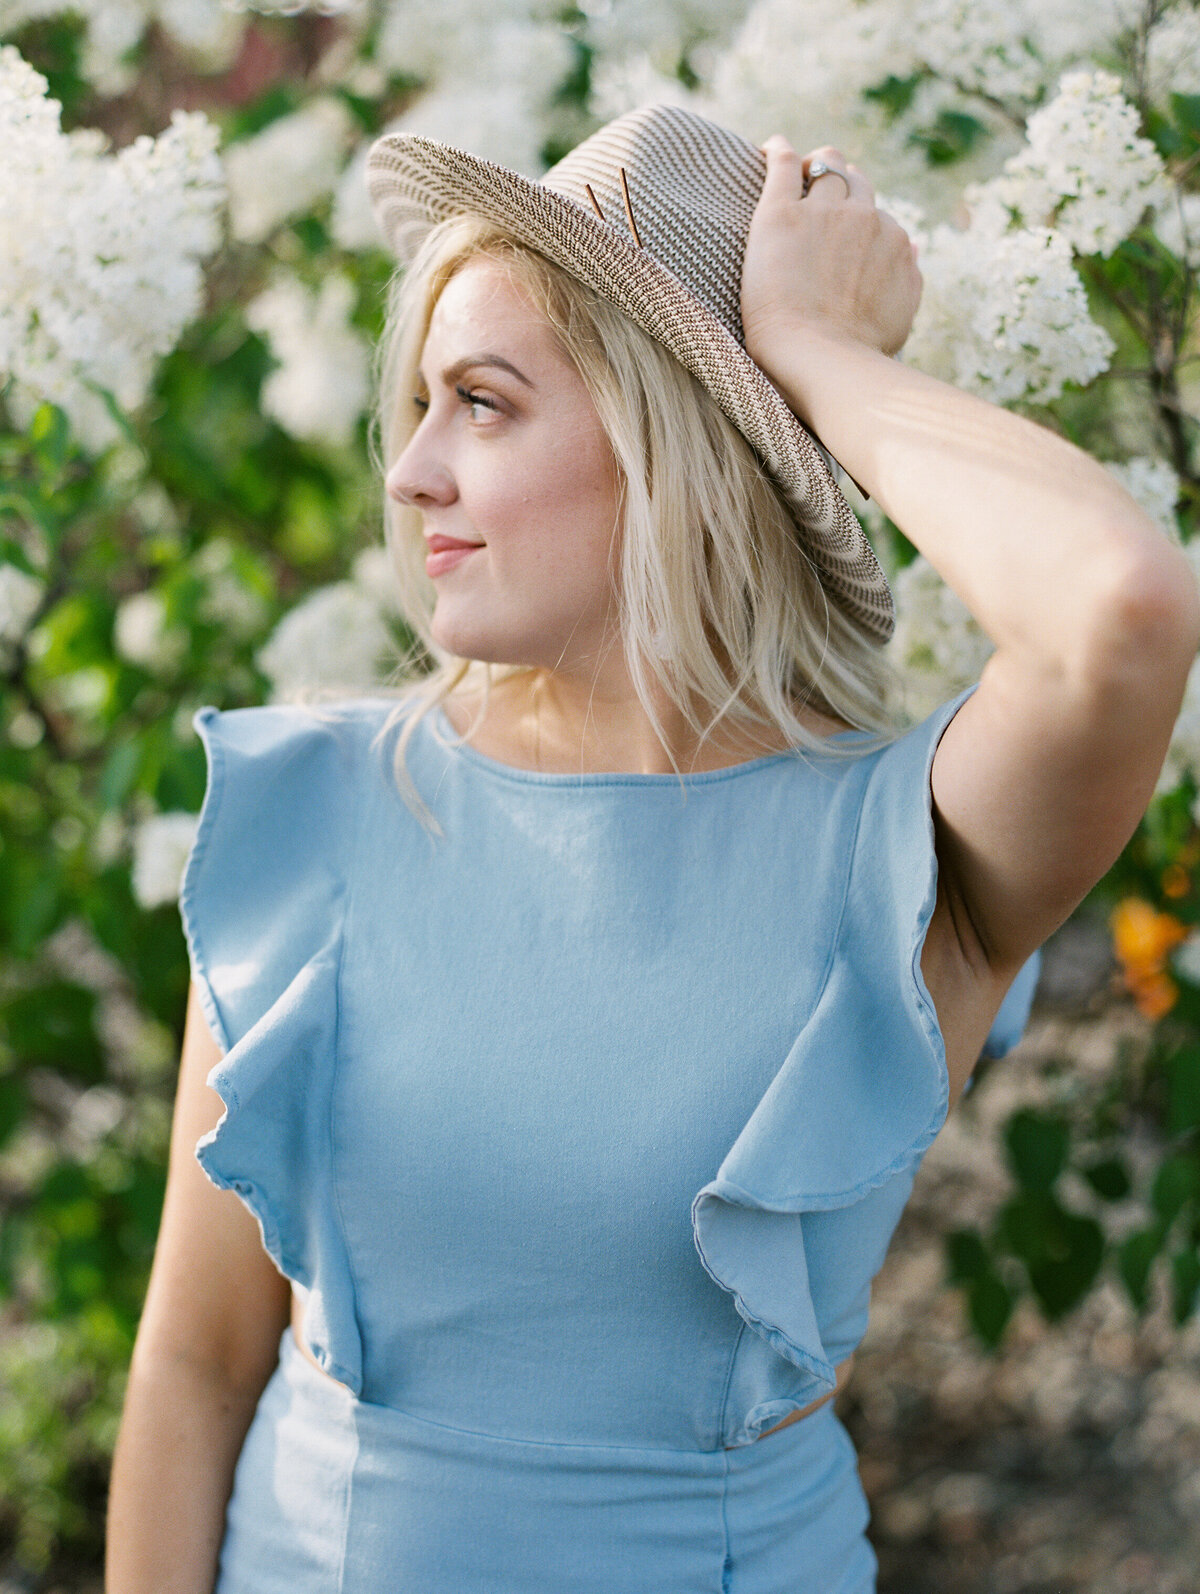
(414, 183)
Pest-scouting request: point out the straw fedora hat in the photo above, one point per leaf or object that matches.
(652, 211)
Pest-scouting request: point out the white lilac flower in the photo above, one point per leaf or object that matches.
(335, 638)
(1176, 223)
(659, 29)
(1173, 53)
(20, 595)
(627, 85)
(1154, 486)
(1005, 317)
(205, 29)
(374, 572)
(498, 125)
(352, 223)
(228, 601)
(287, 168)
(802, 68)
(295, 8)
(436, 39)
(1086, 170)
(1185, 959)
(983, 45)
(99, 254)
(141, 633)
(495, 98)
(1183, 755)
(937, 648)
(322, 385)
(161, 845)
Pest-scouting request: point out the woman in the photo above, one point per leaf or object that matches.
(570, 1102)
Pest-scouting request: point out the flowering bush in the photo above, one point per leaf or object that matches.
(190, 286)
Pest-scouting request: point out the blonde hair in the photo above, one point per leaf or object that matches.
(717, 598)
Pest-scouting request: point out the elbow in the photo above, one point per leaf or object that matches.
(1145, 621)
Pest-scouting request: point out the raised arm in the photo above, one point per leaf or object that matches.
(1042, 776)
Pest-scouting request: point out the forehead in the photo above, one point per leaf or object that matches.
(482, 302)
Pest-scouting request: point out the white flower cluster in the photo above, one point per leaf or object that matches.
(803, 68)
(142, 635)
(1005, 316)
(490, 73)
(937, 647)
(20, 595)
(99, 253)
(230, 600)
(323, 382)
(287, 168)
(207, 30)
(1177, 224)
(1154, 486)
(1173, 52)
(983, 45)
(1086, 170)
(161, 845)
(295, 8)
(1183, 755)
(658, 29)
(336, 637)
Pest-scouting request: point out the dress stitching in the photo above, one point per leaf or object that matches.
(726, 1384)
(337, 1201)
(727, 1562)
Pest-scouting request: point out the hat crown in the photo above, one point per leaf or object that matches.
(693, 187)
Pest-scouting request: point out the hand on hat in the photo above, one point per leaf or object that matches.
(826, 260)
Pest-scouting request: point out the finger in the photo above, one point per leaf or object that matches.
(860, 188)
(826, 188)
(860, 185)
(785, 173)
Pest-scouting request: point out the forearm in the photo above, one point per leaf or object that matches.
(1035, 536)
(181, 1434)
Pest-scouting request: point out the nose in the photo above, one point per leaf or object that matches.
(417, 477)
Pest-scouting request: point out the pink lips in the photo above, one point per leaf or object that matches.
(446, 552)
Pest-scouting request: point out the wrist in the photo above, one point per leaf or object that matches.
(806, 359)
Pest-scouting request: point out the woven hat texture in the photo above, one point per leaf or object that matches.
(693, 187)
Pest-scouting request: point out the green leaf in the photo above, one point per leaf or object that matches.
(953, 135)
(1186, 110)
(1109, 1178)
(1064, 1278)
(1037, 1145)
(989, 1307)
(966, 1256)
(1024, 1226)
(1183, 1089)
(50, 434)
(895, 94)
(1175, 1184)
(14, 1100)
(53, 1024)
(1135, 1257)
(1185, 1280)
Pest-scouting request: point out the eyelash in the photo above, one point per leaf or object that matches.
(467, 397)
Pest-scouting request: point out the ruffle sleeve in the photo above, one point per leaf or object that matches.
(864, 1089)
(263, 904)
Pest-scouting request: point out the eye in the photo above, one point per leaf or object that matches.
(476, 400)
(420, 404)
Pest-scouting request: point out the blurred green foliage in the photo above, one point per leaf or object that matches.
(92, 985)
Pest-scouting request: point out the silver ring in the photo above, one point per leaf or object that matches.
(819, 169)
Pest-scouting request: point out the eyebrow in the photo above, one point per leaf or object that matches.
(460, 367)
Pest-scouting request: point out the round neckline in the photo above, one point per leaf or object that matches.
(616, 777)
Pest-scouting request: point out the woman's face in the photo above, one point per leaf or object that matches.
(509, 456)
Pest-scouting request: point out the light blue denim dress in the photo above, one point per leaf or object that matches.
(581, 1133)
